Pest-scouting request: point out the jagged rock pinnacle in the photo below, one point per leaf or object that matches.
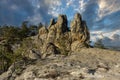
(64, 39)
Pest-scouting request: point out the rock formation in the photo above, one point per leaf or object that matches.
(86, 64)
(79, 32)
(61, 37)
(56, 29)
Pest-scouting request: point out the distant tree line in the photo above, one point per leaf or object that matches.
(14, 33)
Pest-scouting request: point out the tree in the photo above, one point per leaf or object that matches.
(9, 33)
(40, 25)
(33, 30)
(24, 32)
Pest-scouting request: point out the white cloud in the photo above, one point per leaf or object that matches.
(54, 7)
(53, 13)
(69, 3)
(107, 7)
(35, 19)
(101, 34)
(14, 7)
(82, 5)
(109, 39)
(53, 3)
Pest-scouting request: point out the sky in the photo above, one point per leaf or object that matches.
(101, 16)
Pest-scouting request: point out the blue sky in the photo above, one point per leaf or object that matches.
(99, 14)
(102, 16)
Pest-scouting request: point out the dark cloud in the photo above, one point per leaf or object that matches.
(14, 11)
(91, 13)
(42, 12)
(97, 13)
(109, 23)
(102, 15)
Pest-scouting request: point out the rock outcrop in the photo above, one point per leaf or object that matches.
(43, 33)
(50, 49)
(79, 31)
(64, 39)
(82, 65)
(57, 29)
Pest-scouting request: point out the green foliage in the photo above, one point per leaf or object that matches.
(27, 44)
(14, 33)
(11, 35)
(6, 58)
(24, 31)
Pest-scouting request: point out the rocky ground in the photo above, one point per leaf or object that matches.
(86, 64)
(44, 57)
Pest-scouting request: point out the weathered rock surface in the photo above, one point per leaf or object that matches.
(60, 36)
(87, 64)
(43, 33)
(79, 30)
(33, 54)
(50, 49)
(58, 28)
(43, 63)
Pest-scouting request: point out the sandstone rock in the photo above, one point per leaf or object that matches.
(39, 43)
(50, 49)
(66, 40)
(34, 54)
(77, 45)
(102, 67)
(56, 29)
(52, 34)
(52, 22)
(87, 33)
(66, 68)
(29, 75)
(79, 30)
(62, 24)
(13, 71)
(43, 33)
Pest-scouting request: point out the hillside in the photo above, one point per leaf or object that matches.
(86, 64)
(58, 53)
